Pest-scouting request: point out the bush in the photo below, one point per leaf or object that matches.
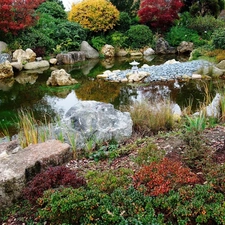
(124, 22)
(117, 39)
(98, 42)
(139, 36)
(54, 177)
(80, 206)
(218, 38)
(97, 15)
(205, 25)
(178, 34)
(161, 177)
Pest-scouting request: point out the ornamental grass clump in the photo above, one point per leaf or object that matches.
(150, 118)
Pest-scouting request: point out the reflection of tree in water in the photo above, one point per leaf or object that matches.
(98, 90)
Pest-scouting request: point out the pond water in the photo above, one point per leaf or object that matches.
(29, 91)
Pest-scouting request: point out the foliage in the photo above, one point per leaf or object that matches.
(126, 6)
(160, 13)
(17, 15)
(80, 206)
(177, 34)
(98, 42)
(139, 36)
(218, 38)
(148, 154)
(53, 9)
(117, 39)
(152, 117)
(109, 180)
(59, 2)
(161, 177)
(53, 177)
(205, 25)
(95, 15)
(124, 22)
(205, 7)
(200, 204)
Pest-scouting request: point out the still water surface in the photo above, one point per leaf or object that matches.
(29, 91)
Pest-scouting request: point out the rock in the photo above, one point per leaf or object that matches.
(60, 78)
(210, 70)
(148, 51)
(36, 65)
(3, 46)
(221, 65)
(172, 61)
(24, 56)
(121, 53)
(185, 47)
(163, 47)
(5, 57)
(6, 70)
(70, 57)
(108, 51)
(136, 77)
(53, 61)
(24, 78)
(136, 54)
(196, 76)
(17, 66)
(90, 53)
(97, 122)
(18, 168)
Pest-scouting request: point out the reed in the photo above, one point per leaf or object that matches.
(151, 117)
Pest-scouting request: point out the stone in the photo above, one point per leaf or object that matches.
(221, 65)
(185, 47)
(172, 61)
(17, 168)
(97, 122)
(108, 51)
(136, 77)
(53, 61)
(6, 70)
(3, 46)
(163, 47)
(121, 53)
(136, 54)
(211, 71)
(196, 76)
(18, 66)
(24, 56)
(70, 57)
(148, 51)
(90, 52)
(60, 78)
(5, 57)
(36, 65)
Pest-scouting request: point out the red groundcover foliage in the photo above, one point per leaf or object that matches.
(16, 15)
(161, 177)
(159, 13)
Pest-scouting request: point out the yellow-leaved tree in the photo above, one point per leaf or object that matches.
(95, 15)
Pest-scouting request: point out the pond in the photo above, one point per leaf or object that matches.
(29, 90)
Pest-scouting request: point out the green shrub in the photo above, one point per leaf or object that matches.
(178, 34)
(139, 36)
(218, 38)
(193, 205)
(109, 180)
(98, 42)
(124, 22)
(117, 39)
(80, 206)
(205, 25)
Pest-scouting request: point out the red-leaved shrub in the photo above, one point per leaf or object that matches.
(53, 177)
(161, 177)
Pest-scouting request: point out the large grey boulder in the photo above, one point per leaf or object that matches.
(36, 65)
(3, 46)
(70, 57)
(163, 47)
(17, 166)
(97, 122)
(90, 52)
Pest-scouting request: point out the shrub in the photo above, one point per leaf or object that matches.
(109, 180)
(53, 177)
(117, 39)
(80, 206)
(98, 42)
(139, 36)
(95, 15)
(124, 22)
(218, 38)
(192, 205)
(161, 177)
(178, 34)
(205, 25)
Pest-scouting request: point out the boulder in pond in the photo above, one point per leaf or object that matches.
(70, 57)
(6, 70)
(36, 65)
(90, 53)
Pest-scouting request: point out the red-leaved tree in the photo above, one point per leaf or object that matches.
(16, 15)
(159, 13)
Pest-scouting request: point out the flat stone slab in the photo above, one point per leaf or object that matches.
(18, 167)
